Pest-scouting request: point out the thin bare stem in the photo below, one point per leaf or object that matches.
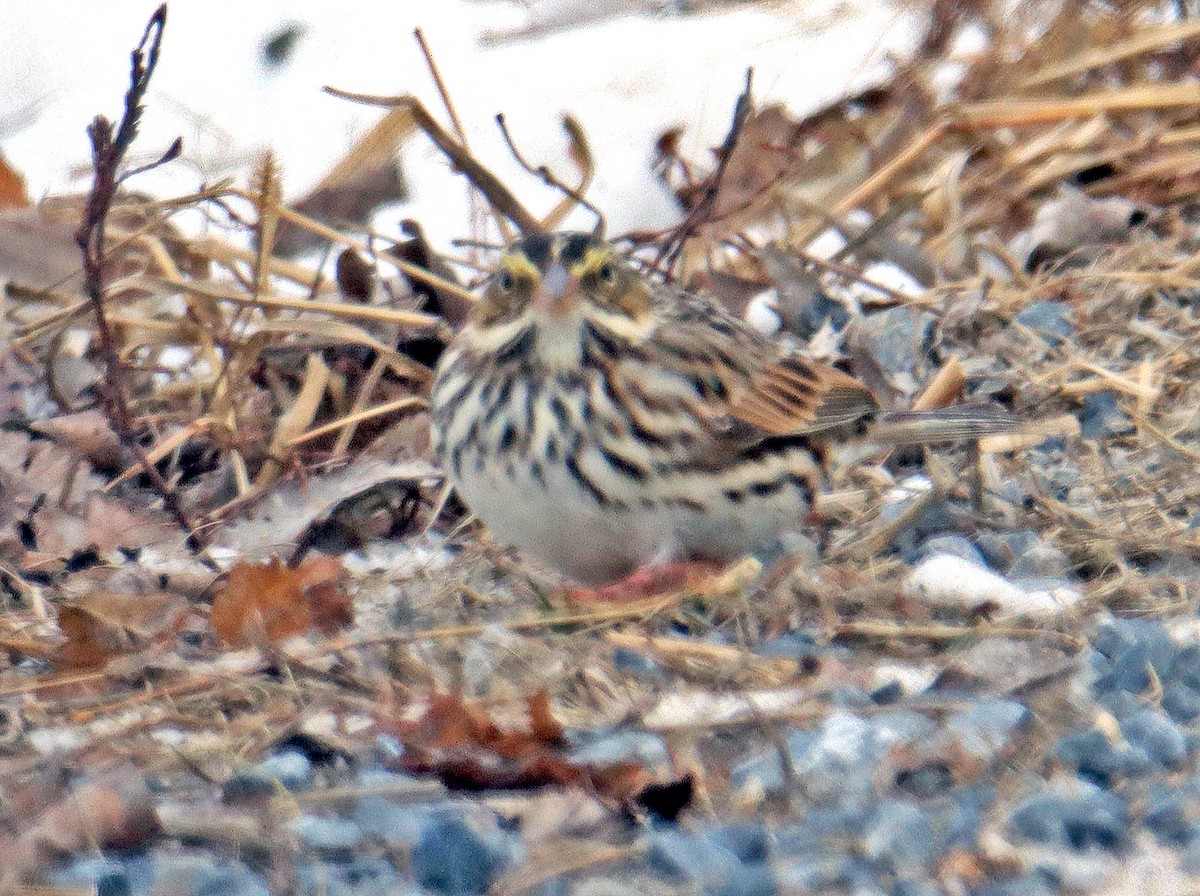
(108, 154)
(548, 177)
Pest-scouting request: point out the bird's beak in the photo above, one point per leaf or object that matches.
(558, 291)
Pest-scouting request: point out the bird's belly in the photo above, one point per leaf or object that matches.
(554, 519)
(560, 471)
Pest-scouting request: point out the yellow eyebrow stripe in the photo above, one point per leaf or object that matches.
(520, 267)
(592, 260)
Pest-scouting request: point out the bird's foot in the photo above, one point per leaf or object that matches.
(661, 580)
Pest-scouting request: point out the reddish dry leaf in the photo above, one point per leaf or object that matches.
(12, 187)
(466, 750)
(542, 724)
(101, 625)
(270, 601)
(321, 579)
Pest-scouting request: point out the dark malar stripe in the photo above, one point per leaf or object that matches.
(603, 343)
(519, 347)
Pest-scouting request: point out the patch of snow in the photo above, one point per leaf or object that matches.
(626, 78)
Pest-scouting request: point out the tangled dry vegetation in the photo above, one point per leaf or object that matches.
(228, 404)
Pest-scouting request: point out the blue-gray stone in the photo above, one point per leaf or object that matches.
(887, 694)
(905, 887)
(681, 855)
(623, 746)
(900, 836)
(750, 880)
(1032, 884)
(321, 880)
(634, 662)
(1120, 636)
(397, 824)
(232, 879)
(1157, 736)
(1167, 819)
(374, 777)
(961, 823)
(366, 871)
(96, 874)
(334, 838)
(987, 727)
(1102, 417)
(388, 749)
(1041, 560)
(1186, 668)
(797, 839)
(746, 839)
(925, 780)
(952, 545)
(1092, 819)
(1181, 702)
(811, 316)
(1099, 760)
(793, 644)
(897, 338)
(1001, 549)
(1050, 320)
(291, 768)
(452, 860)
(249, 785)
(817, 873)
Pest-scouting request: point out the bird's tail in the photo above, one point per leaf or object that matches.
(951, 424)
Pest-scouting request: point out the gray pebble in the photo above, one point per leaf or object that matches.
(681, 855)
(1157, 736)
(232, 879)
(397, 824)
(452, 860)
(1090, 819)
(1102, 417)
(623, 746)
(896, 338)
(901, 836)
(290, 768)
(954, 545)
(333, 838)
(1051, 321)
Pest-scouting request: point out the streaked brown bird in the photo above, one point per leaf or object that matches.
(604, 424)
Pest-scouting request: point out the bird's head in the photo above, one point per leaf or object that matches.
(557, 286)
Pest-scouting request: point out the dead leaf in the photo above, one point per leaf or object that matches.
(12, 187)
(102, 625)
(465, 749)
(268, 602)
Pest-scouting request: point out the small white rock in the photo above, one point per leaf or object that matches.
(762, 313)
(826, 245)
(951, 581)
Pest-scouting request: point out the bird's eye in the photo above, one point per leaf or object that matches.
(607, 273)
(506, 281)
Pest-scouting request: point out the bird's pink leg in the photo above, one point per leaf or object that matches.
(650, 581)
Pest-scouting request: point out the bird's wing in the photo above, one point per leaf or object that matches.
(756, 385)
